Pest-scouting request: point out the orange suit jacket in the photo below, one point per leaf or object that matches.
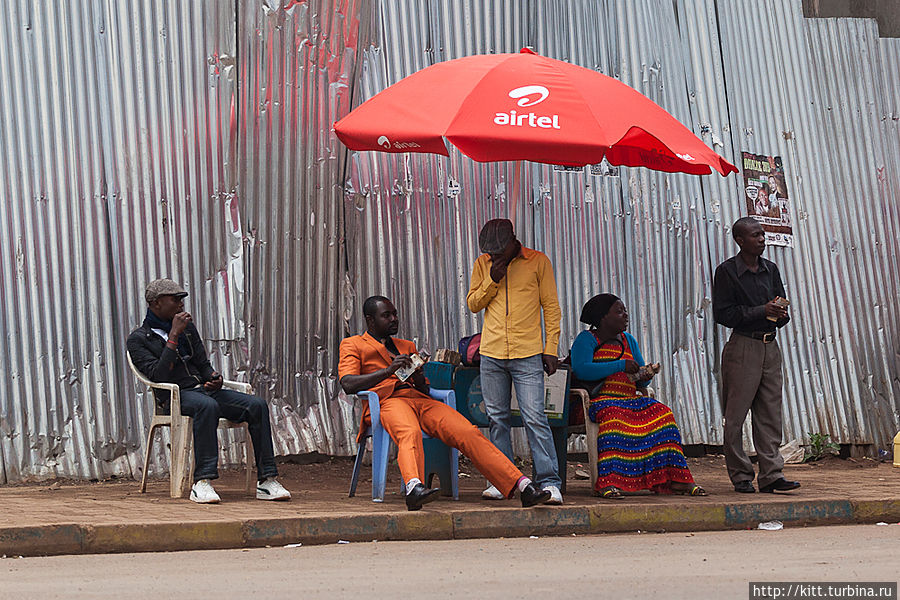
(363, 354)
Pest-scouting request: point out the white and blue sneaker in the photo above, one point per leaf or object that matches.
(202, 492)
(271, 490)
(492, 493)
(555, 495)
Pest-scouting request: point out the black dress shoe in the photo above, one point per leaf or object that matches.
(779, 485)
(420, 495)
(744, 487)
(532, 495)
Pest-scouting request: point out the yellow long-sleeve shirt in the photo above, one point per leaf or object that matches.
(512, 307)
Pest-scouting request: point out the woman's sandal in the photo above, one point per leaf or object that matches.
(611, 493)
(691, 489)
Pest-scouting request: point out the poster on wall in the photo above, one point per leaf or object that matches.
(766, 194)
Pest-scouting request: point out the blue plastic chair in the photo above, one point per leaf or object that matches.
(439, 459)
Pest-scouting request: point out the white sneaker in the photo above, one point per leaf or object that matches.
(271, 490)
(555, 495)
(202, 492)
(492, 493)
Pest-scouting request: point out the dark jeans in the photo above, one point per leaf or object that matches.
(206, 408)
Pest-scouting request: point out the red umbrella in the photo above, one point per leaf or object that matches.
(526, 107)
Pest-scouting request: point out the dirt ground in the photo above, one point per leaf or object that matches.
(332, 474)
(709, 471)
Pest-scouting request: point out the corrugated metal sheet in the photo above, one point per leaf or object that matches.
(655, 239)
(848, 70)
(115, 120)
(840, 347)
(297, 67)
(193, 140)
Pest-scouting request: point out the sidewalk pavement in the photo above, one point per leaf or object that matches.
(112, 516)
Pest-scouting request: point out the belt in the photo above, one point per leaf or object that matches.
(767, 337)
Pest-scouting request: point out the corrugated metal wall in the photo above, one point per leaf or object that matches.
(811, 100)
(193, 140)
(655, 239)
(117, 167)
(298, 64)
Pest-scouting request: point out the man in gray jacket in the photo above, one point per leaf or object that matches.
(167, 348)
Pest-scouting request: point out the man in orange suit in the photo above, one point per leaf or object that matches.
(370, 361)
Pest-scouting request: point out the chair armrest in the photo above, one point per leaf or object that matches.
(173, 389)
(585, 398)
(581, 393)
(158, 385)
(238, 386)
(374, 407)
(448, 397)
(651, 393)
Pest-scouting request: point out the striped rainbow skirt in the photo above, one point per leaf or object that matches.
(638, 445)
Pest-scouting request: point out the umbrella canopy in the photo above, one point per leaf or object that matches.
(526, 107)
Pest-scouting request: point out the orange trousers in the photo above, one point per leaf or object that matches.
(408, 413)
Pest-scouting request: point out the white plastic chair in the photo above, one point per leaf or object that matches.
(181, 461)
(591, 430)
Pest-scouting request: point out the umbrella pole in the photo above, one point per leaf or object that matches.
(517, 179)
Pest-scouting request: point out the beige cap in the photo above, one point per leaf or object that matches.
(495, 235)
(163, 287)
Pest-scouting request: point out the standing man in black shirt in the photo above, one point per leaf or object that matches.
(748, 296)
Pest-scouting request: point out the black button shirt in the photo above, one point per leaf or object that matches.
(740, 295)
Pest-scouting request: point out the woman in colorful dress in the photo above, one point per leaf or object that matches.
(638, 445)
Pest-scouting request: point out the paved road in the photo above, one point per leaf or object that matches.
(673, 565)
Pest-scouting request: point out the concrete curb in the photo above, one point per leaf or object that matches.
(46, 540)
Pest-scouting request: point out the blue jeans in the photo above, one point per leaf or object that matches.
(206, 408)
(527, 374)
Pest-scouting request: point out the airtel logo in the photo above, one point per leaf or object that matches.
(526, 93)
(385, 143)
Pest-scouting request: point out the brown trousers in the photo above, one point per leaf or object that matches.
(408, 413)
(751, 382)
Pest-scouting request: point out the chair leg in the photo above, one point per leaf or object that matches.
(357, 465)
(454, 473)
(560, 439)
(249, 457)
(147, 458)
(381, 443)
(180, 471)
(443, 461)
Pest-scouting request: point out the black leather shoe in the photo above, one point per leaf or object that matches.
(744, 487)
(779, 485)
(420, 495)
(531, 496)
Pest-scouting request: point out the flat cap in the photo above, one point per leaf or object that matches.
(163, 287)
(495, 235)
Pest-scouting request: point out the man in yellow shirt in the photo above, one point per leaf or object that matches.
(511, 284)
